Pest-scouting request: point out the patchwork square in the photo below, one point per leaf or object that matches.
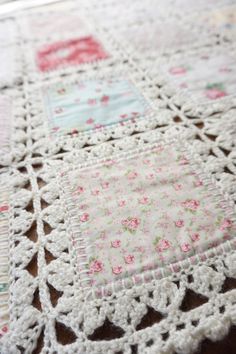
(159, 37)
(56, 23)
(69, 52)
(92, 104)
(139, 213)
(205, 78)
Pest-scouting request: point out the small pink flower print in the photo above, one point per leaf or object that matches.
(163, 245)
(105, 99)
(144, 200)
(74, 131)
(90, 121)
(147, 162)
(84, 217)
(95, 192)
(177, 186)
(95, 175)
(123, 116)
(96, 266)
(92, 102)
(213, 94)
(117, 270)
(55, 129)
(226, 224)
(191, 204)
(135, 114)
(132, 175)
(183, 161)
(195, 237)
(122, 203)
(98, 126)
(177, 70)
(59, 110)
(150, 176)
(116, 243)
(3, 208)
(179, 223)
(186, 247)
(129, 259)
(224, 69)
(105, 185)
(214, 91)
(198, 183)
(131, 224)
(79, 190)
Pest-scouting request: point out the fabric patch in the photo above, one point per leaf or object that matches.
(5, 123)
(92, 104)
(143, 212)
(69, 52)
(55, 23)
(159, 36)
(206, 78)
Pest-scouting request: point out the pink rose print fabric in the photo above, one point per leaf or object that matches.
(92, 105)
(69, 52)
(206, 78)
(144, 212)
(5, 123)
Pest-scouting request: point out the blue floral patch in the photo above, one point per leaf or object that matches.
(92, 104)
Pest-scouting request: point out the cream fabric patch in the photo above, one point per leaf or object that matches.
(143, 212)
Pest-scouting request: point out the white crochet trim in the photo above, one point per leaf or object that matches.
(125, 308)
(210, 131)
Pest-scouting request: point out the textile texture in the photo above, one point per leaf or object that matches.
(117, 176)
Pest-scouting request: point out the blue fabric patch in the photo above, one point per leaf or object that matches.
(92, 104)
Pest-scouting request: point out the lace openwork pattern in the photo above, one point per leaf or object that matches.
(54, 296)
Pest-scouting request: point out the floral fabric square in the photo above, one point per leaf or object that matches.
(69, 52)
(143, 212)
(205, 78)
(92, 104)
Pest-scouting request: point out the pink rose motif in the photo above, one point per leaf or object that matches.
(3, 208)
(179, 223)
(98, 126)
(92, 102)
(105, 99)
(121, 203)
(123, 116)
(147, 162)
(186, 247)
(144, 200)
(84, 217)
(195, 237)
(83, 206)
(177, 187)
(226, 224)
(132, 175)
(150, 176)
(191, 204)
(115, 243)
(131, 224)
(96, 266)
(198, 183)
(129, 259)
(117, 270)
(105, 185)
(163, 245)
(95, 192)
(183, 161)
(90, 121)
(177, 70)
(214, 93)
(79, 190)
